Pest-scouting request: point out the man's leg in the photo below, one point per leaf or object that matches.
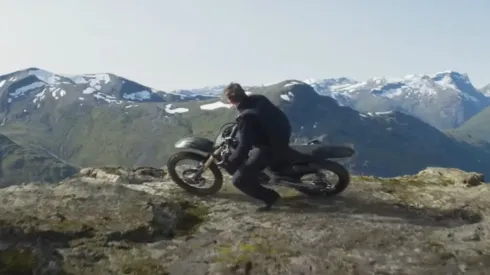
(280, 168)
(246, 178)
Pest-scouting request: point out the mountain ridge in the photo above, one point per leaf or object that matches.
(451, 96)
(486, 90)
(40, 84)
(333, 87)
(94, 131)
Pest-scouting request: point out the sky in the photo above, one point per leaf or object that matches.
(194, 43)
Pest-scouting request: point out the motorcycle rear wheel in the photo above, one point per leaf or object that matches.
(342, 174)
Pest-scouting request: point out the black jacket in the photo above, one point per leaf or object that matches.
(260, 124)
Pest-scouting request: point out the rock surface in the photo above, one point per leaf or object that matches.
(453, 175)
(119, 174)
(103, 223)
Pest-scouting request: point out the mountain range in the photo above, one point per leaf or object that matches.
(103, 119)
(445, 99)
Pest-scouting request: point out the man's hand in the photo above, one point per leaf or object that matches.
(225, 154)
(224, 160)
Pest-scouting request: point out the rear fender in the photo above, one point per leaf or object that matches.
(198, 145)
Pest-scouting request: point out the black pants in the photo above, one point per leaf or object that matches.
(246, 176)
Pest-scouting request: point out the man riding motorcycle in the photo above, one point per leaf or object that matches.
(263, 141)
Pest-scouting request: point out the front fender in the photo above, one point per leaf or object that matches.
(198, 145)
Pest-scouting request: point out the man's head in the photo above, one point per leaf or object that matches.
(235, 93)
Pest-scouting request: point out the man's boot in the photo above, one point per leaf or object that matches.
(268, 204)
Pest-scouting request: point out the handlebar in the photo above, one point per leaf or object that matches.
(223, 126)
(226, 141)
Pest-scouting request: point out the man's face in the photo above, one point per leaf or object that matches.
(231, 101)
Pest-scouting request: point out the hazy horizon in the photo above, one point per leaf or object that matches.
(189, 43)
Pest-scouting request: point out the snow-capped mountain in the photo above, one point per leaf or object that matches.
(95, 119)
(444, 100)
(408, 87)
(486, 90)
(39, 85)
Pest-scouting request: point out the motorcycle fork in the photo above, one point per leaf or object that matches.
(206, 164)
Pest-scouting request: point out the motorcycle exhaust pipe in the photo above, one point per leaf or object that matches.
(304, 169)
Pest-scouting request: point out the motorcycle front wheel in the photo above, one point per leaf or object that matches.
(186, 182)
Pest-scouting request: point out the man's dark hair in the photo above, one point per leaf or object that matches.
(234, 92)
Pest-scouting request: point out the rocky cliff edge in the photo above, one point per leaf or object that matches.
(114, 220)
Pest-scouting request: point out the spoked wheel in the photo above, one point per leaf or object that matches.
(322, 184)
(207, 183)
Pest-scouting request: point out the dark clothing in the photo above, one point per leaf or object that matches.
(263, 138)
(275, 124)
(249, 136)
(246, 176)
(261, 124)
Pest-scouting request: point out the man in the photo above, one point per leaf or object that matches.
(263, 135)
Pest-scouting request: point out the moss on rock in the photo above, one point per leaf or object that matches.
(258, 247)
(194, 215)
(17, 261)
(147, 266)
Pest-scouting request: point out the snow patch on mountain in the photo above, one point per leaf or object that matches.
(325, 85)
(288, 96)
(292, 83)
(372, 114)
(57, 93)
(91, 79)
(23, 90)
(107, 98)
(45, 76)
(486, 90)
(168, 109)
(215, 105)
(94, 82)
(138, 96)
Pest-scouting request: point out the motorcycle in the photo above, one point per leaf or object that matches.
(302, 159)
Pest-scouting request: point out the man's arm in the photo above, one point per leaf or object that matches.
(246, 136)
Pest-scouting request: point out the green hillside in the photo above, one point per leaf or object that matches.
(18, 165)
